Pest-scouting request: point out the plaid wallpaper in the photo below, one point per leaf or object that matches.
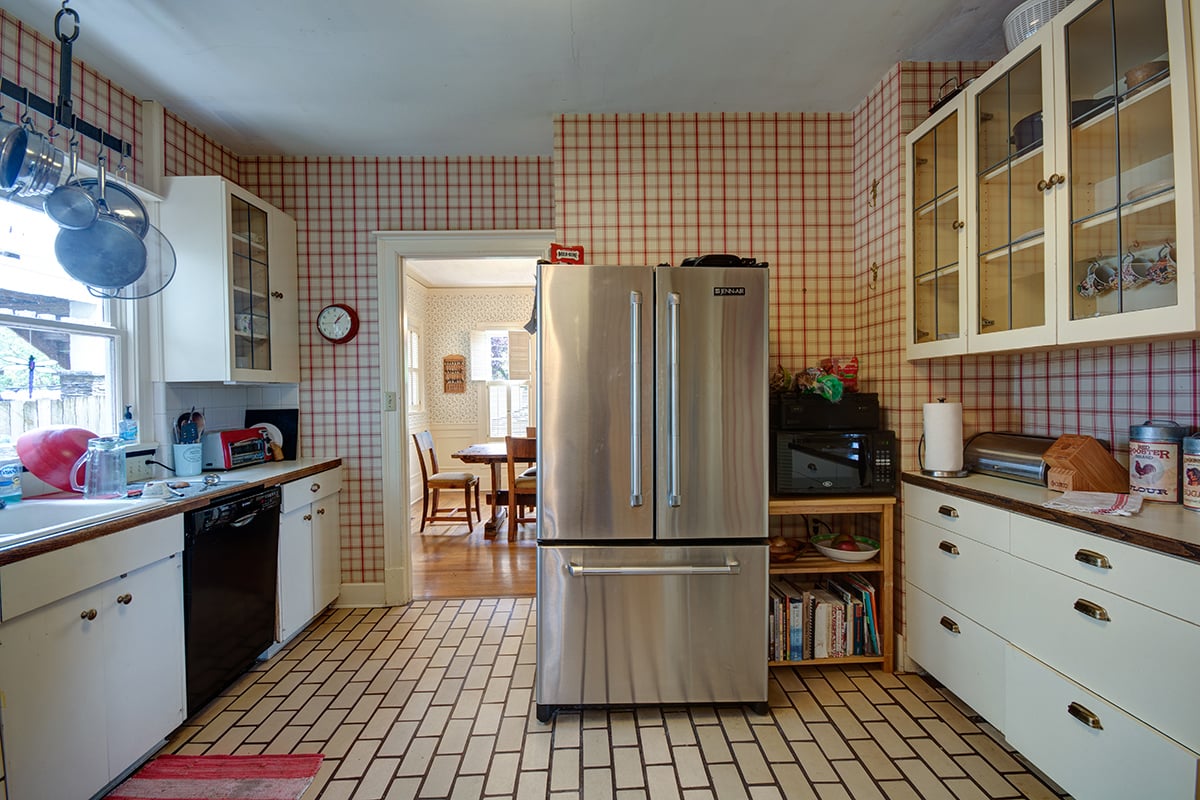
(819, 196)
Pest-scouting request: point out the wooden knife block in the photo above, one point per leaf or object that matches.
(1081, 464)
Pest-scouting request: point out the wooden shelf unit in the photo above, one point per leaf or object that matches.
(882, 566)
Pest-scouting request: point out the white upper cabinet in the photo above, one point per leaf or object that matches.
(1078, 190)
(231, 313)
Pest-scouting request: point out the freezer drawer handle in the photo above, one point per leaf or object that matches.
(635, 406)
(1084, 715)
(673, 399)
(1093, 558)
(1090, 609)
(729, 568)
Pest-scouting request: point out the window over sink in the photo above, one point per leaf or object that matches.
(61, 348)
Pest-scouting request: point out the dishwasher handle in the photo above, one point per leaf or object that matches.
(728, 568)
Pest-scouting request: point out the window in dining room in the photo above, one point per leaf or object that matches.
(503, 359)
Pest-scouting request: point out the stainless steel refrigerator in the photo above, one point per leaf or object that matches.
(652, 485)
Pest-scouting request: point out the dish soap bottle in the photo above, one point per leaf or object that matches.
(10, 473)
(128, 428)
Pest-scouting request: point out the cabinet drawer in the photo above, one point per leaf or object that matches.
(1139, 659)
(34, 582)
(966, 657)
(981, 522)
(1154, 579)
(959, 571)
(1123, 758)
(309, 490)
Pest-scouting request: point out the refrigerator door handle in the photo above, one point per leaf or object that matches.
(673, 399)
(729, 568)
(635, 405)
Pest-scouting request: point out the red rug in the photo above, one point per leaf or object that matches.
(281, 777)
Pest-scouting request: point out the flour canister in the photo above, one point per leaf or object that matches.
(1191, 472)
(1154, 460)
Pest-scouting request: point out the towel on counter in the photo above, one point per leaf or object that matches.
(1097, 503)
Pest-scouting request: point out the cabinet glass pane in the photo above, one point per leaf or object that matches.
(251, 288)
(1122, 162)
(1010, 148)
(935, 233)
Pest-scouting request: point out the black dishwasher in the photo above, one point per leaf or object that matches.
(230, 564)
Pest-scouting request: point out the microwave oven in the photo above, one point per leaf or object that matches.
(833, 462)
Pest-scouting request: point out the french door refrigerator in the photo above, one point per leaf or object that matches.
(652, 485)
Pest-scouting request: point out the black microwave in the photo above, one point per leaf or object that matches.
(833, 462)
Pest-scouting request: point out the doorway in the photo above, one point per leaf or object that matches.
(397, 251)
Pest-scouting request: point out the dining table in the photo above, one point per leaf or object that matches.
(493, 454)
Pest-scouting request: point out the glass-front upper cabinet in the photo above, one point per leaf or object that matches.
(1011, 282)
(936, 246)
(251, 285)
(1128, 154)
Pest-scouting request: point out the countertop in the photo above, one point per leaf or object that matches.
(1164, 527)
(260, 476)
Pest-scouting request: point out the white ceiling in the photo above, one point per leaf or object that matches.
(472, 272)
(481, 77)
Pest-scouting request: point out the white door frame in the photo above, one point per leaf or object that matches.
(392, 248)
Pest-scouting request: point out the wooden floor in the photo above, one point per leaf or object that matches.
(450, 562)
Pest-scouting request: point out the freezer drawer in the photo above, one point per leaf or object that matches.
(651, 624)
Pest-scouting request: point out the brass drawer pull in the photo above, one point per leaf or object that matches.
(1092, 558)
(1085, 716)
(948, 511)
(950, 625)
(946, 547)
(1090, 609)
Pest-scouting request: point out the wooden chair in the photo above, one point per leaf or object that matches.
(433, 480)
(522, 484)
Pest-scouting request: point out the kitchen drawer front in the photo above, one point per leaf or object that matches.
(1123, 759)
(677, 624)
(311, 489)
(1139, 659)
(35, 582)
(1154, 579)
(965, 656)
(981, 522)
(959, 571)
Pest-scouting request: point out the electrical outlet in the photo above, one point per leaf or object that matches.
(389, 401)
(138, 468)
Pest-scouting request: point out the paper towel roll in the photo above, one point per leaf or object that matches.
(943, 438)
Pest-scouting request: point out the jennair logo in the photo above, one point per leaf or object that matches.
(728, 291)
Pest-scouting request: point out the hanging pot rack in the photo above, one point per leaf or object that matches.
(61, 111)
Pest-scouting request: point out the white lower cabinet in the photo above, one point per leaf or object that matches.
(92, 680)
(1091, 748)
(1078, 647)
(309, 550)
(965, 656)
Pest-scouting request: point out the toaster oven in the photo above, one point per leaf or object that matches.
(833, 462)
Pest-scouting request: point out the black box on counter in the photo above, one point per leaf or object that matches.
(856, 411)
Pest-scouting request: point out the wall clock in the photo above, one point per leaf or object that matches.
(338, 323)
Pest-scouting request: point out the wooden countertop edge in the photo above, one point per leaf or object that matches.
(23, 550)
(1109, 528)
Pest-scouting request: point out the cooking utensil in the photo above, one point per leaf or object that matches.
(50, 453)
(70, 205)
(107, 254)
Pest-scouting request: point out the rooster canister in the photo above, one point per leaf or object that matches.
(1154, 460)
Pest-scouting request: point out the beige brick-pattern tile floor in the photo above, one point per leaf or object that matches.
(435, 700)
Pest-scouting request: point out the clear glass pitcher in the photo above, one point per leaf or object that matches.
(104, 469)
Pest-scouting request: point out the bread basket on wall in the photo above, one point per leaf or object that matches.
(1025, 20)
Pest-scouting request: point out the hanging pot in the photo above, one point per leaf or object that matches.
(108, 254)
(70, 205)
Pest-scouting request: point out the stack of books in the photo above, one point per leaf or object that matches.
(830, 618)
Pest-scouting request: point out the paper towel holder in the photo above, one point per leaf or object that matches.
(937, 473)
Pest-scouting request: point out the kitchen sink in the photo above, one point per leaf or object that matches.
(33, 519)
